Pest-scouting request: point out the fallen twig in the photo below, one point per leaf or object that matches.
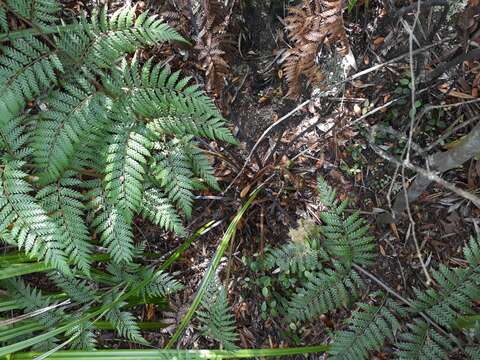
(428, 175)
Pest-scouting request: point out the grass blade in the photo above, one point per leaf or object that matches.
(174, 354)
(211, 269)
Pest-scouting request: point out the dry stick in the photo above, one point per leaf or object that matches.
(428, 175)
(439, 162)
(265, 133)
(33, 313)
(414, 234)
(413, 112)
(305, 103)
(448, 133)
(354, 122)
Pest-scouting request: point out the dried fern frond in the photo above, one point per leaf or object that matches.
(212, 62)
(310, 28)
(212, 43)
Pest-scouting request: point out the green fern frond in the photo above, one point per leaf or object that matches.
(115, 232)
(3, 19)
(422, 342)
(172, 171)
(39, 12)
(65, 203)
(126, 160)
(458, 289)
(14, 138)
(216, 317)
(71, 114)
(82, 336)
(326, 194)
(31, 299)
(125, 324)
(345, 238)
(28, 67)
(157, 208)
(368, 329)
(79, 291)
(162, 284)
(178, 109)
(201, 166)
(473, 352)
(113, 36)
(294, 257)
(324, 291)
(28, 224)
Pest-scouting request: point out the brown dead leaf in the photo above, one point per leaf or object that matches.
(245, 190)
(456, 94)
(366, 60)
(321, 161)
(378, 41)
(337, 175)
(150, 312)
(393, 228)
(382, 250)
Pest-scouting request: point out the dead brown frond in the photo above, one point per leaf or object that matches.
(211, 55)
(311, 27)
(212, 42)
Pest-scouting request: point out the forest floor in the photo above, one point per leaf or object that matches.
(329, 137)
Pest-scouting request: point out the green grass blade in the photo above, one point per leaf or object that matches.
(21, 269)
(211, 269)
(174, 354)
(467, 322)
(203, 230)
(11, 332)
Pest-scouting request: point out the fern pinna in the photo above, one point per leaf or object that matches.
(323, 270)
(92, 136)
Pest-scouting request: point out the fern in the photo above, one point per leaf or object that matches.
(459, 288)
(27, 68)
(124, 323)
(65, 203)
(325, 291)
(157, 208)
(71, 114)
(115, 233)
(31, 299)
(82, 337)
(172, 171)
(294, 257)
(216, 318)
(14, 138)
(423, 342)
(125, 169)
(200, 165)
(345, 238)
(368, 329)
(312, 26)
(40, 12)
(324, 269)
(32, 228)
